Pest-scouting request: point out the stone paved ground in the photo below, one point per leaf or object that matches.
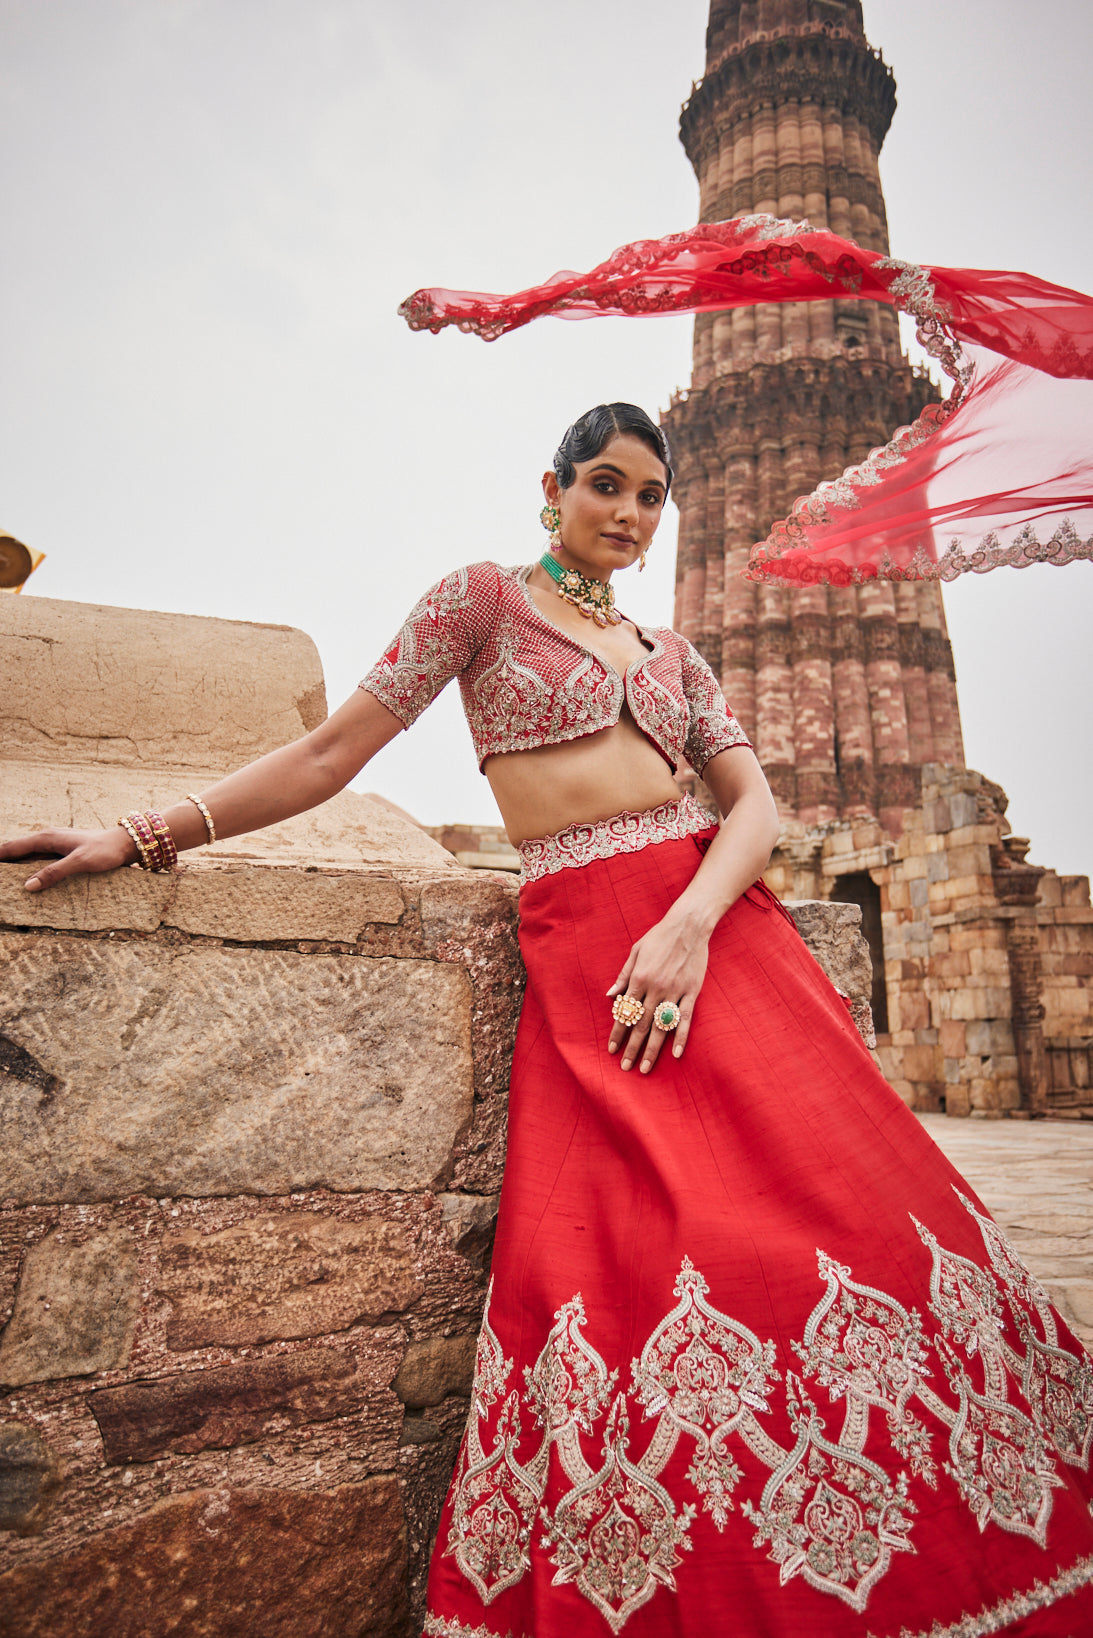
(1037, 1179)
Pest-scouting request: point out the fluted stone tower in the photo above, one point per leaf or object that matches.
(847, 693)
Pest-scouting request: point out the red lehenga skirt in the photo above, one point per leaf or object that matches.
(755, 1360)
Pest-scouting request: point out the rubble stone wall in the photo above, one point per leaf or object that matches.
(249, 1186)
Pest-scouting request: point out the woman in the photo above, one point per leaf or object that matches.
(753, 1360)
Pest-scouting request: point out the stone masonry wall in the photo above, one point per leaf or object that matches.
(249, 1186)
(988, 960)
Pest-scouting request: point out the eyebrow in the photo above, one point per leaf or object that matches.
(653, 483)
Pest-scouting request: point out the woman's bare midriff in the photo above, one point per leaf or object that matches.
(580, 781)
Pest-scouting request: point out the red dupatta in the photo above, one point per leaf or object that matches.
(999, 473)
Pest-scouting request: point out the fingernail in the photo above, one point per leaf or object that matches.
(626, 1063)
(611, 1047)
(645, 1068)
(677, 1052)
(33, 885)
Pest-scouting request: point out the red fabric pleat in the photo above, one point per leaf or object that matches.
(772, 1139)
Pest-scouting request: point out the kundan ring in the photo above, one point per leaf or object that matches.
(666, 1016)
(627, 1010)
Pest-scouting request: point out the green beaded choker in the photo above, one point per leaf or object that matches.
(595, 599)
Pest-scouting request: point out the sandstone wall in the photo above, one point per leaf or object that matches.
(988, 960)
(253, 1120)
(249, 1185)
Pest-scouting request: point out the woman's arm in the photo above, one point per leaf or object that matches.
(286, 782)
(669, 963)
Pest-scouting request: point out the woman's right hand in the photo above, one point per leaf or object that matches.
(77, 853)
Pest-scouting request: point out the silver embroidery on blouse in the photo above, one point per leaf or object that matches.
(579, 845)
(837, 1507)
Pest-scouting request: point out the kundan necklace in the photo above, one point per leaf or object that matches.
(595, 599)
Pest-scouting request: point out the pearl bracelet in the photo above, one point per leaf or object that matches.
(205, 814)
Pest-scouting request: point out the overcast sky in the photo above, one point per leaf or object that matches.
(211, 209)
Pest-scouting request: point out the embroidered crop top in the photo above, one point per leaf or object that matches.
(525, 682)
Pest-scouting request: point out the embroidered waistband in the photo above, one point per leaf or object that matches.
(623, 833)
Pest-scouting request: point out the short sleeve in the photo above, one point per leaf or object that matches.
(711, 726)
(439, 638)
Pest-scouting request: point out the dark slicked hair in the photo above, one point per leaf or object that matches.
(587, 437)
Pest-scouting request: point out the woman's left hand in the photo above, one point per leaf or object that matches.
(668, 964)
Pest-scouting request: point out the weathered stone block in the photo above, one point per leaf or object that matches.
(986, 1036)
(974, 935)
(256, 905)
(963, 809)
(76, 1308)
(228, 1564)
(991, 961)
(914, 1013)
(951, 965)
(131, 899)
(471, 1220)
(833, 935)
(28, 1478)
(200, 1071)
(282, 1276)
(970, 1004)
(1076, 892)
(85, 684)
(920, 1063)
(969, 860)
(229, 1405)
(434, 1368)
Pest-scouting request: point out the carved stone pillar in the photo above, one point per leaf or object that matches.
(1017, 884)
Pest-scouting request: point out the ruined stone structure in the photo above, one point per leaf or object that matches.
(982, 995)
(253, 1123)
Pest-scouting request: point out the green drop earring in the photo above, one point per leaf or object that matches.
(551, 520)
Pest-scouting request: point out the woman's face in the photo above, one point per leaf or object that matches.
(611, 509)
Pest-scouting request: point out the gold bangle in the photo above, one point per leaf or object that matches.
(205, 814)
(142, 852)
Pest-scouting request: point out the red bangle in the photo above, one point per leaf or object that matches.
(150, 857)
(168, 852)
(155, 844)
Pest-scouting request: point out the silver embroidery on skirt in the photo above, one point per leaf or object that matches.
(923, 1404)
